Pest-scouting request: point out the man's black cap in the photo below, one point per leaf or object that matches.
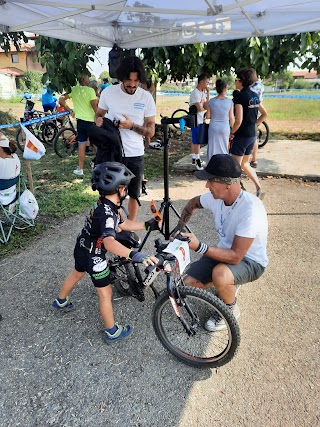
(220, 166)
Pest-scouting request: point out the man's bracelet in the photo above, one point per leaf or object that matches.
(202, 248)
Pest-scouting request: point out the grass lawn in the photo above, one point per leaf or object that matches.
(61, 194)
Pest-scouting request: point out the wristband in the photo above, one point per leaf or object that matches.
(202, 248)
(132, 126)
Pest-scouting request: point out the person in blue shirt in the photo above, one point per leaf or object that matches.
(104, 84)
(47, 99)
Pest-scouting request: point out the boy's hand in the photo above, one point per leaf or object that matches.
(151, 225)
(145, 259)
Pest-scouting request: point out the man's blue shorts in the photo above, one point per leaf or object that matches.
(195, 134)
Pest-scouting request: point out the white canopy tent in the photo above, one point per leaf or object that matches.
(134, 24)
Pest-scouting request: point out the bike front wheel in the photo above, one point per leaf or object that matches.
(263, 134)
(49, 131)
(198, 348)
(65, 142)
(178, 114)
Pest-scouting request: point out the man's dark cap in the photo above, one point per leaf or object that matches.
(220, 166)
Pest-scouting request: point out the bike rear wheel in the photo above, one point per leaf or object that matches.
(263, 134)
(201, 349)
(178, 114)
(65, 142)
(21, 138)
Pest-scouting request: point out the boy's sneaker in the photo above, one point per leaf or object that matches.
(199, 165)
(78, 172)
(216, 323)
(64, 306)
(193, 161)
(121, 333)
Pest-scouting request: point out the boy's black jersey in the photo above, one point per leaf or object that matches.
(102, 222)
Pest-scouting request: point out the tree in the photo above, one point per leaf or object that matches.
(32, 81)
(8, 39)
(104, 75)
(265, 54)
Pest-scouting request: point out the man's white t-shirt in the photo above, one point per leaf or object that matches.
(247, 217)
(9, 168)
(197, 96)
(136, 107)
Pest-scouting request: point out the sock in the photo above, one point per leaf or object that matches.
(112, 330)
(194, 156)
(61, 300)
(197, 156)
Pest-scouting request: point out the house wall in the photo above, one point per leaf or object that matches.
(7, 84)
(6, 61)
(25, 61)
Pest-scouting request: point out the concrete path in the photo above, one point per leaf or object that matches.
(283, 158)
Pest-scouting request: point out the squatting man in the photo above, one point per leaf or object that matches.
(240, 220)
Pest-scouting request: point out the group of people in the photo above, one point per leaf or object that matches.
(233, 123)
(240, 218)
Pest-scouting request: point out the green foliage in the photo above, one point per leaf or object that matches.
(65, 61)
(265, 54)
(302, 84)
(104, 75)
(284, 79)
(32, 81)
(7, 39)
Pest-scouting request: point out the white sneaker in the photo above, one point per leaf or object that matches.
(78, 172)
(199, 165)
(217, 323)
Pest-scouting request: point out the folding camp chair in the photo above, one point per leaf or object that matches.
(10, 217)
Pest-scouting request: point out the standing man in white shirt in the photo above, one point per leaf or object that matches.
(198, 96)
(136, 110)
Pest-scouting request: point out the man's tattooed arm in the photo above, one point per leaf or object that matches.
(187, 213)
(148, 129)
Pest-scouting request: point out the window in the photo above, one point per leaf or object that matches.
(14, 58)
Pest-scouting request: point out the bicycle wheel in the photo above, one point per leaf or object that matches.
(122, 275)
(177, 115)
(21, 137)
(65, 142)
(48, 131)
(199, 348)
(263, 134)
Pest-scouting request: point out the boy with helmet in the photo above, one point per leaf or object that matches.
(97, 237)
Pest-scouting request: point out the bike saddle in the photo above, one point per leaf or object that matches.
(129, 239)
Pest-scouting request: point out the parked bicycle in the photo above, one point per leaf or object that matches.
(180, 311)
(45, 131)
(66, 141)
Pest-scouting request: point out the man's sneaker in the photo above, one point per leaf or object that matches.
(253, 164)
(199, 165)
(78, 172)
(121, 333)
(216, 323)
(65, 306)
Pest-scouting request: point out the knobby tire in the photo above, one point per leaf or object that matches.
(263, 134)
(204, 349)
(65, 142)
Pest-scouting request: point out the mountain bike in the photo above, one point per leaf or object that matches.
(45, 131)
(66, 141)
(180, 311)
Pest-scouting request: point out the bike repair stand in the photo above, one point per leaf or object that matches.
(166, 204)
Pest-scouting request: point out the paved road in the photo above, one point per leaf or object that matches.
(56, 371)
